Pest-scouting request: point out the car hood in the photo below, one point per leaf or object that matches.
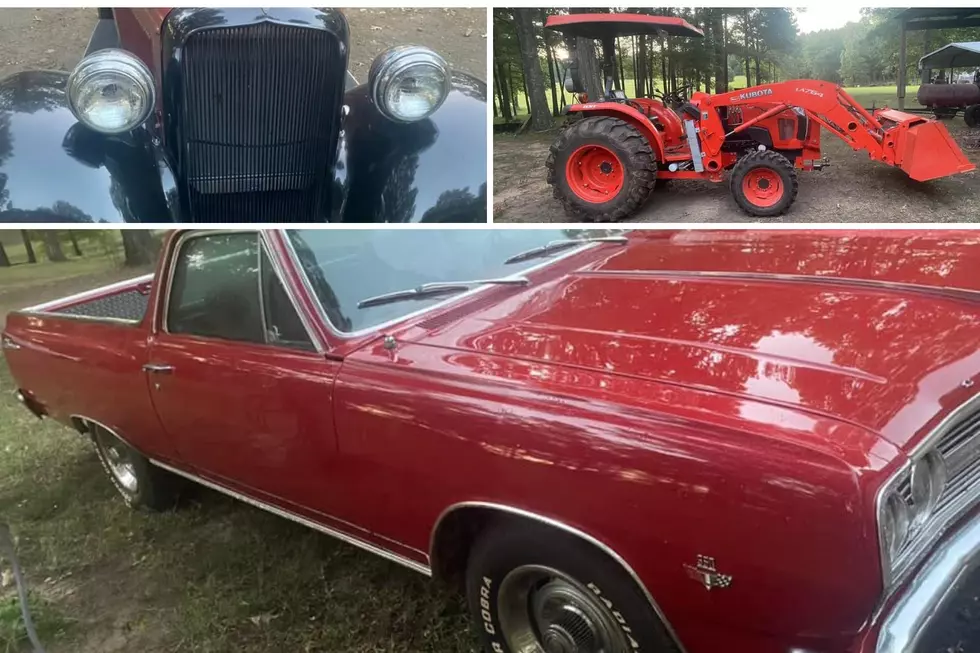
(880, 330)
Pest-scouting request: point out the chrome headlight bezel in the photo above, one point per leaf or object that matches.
(105, 67)
(902, 515)
(401, 63)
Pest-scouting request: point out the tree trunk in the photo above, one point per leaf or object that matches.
(622, 68)
(551, 78)
(140, 246)
(722, 54)
(500, 79)
(537, 101)
(74, 243)
(52, 246)
(514, 102)
(4, 259)
(745, 23)
(588, 67)
(31, 256)
(641, 60)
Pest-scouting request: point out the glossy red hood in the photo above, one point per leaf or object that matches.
(879, 330)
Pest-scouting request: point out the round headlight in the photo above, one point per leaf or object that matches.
(896, 520)
(928, 481)
(409, 82)
(111, 91)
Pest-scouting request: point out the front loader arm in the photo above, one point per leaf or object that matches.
(921, 147)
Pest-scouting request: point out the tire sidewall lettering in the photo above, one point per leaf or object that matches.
(617, 615)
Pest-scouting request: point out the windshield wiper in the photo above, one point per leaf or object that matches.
(557, 245)
(438, 288)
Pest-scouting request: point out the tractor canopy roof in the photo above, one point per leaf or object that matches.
(954, 55)
(599, 26)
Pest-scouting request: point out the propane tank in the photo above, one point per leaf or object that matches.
(948, 95)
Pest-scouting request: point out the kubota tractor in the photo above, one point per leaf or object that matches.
(614, 150)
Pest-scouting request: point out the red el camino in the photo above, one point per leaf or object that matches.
(656, 441)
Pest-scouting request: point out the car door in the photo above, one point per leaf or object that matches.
(235, 378)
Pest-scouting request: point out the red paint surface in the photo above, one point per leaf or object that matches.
(666, 413)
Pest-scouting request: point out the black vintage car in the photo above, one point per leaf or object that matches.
(241, 115)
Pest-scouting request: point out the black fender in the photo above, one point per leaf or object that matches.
(433, 170)
(53, 169)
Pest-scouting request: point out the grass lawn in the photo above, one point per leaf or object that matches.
(215, 575)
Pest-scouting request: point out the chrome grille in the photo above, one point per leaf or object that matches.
(260, 118)
(958, 440)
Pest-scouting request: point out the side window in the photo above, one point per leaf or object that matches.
(283, 325)
(215, 289)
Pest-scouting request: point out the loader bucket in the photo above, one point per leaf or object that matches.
(923, 147)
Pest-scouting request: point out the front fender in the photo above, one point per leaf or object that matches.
(53, 169)
(434, 170)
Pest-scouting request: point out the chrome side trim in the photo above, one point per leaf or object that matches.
(86, 294)
(343, 537)
(79, 318)
(929, 591)
(554, 523)
(378, 328)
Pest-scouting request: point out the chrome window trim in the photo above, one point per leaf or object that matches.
(950, 515)
(571, 530)
(378, 328)
(44, 309)
(262, 242)
(423, 569)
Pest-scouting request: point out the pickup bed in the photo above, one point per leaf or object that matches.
(657, 441)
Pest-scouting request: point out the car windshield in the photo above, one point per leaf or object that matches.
(345, 267)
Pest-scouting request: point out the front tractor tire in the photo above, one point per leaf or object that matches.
(601, 169)
(532, 588)
(764, 184)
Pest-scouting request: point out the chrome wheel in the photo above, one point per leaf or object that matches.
(543, 610)
(118, 462)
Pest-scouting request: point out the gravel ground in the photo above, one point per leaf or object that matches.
(56, 38)
(852, 189)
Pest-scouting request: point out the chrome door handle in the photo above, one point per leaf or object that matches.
(7, 343)
(158, 369)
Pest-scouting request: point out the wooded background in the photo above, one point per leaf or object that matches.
(129, 247)
(741, 47)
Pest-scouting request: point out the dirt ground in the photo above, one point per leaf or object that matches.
(56, 38)
(852, 189)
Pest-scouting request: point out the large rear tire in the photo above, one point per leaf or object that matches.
(972, 115)
(530, 587)
(764, 184)
(601, 169)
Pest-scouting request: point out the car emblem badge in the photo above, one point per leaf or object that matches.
(968, 383)
(706, 573)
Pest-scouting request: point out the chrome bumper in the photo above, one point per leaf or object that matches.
(935, 585)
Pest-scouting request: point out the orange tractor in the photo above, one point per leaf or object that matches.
(614, 150)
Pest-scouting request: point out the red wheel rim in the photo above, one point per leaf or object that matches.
(594, 173)
(763, 187)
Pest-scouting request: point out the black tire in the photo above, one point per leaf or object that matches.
(945, 113)
(504, 549)
(775, 162)
(972, 115)
(155, 489)
(631, 148)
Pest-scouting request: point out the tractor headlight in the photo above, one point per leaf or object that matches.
(904, 508)
(409, 83)
(111, 91)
